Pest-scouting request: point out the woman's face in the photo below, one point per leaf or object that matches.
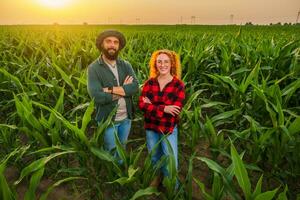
(163, 64)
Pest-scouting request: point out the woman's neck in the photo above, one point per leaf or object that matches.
(165, 77)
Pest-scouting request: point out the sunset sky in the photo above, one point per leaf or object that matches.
(147, 11)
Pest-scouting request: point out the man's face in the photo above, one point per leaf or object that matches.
(110, 47)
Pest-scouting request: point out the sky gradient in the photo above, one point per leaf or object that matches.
(149, 11)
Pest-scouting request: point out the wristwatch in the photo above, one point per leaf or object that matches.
(110, 89)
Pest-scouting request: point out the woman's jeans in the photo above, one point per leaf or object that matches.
(153, 138)
(122, 129)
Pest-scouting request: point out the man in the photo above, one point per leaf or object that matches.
(111, 83)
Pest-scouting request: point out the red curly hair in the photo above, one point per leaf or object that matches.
(175, 63)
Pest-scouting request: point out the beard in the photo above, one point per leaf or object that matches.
(109, 54)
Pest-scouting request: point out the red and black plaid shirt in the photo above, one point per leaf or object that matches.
(172, 94)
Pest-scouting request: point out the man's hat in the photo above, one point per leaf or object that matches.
(109, 33)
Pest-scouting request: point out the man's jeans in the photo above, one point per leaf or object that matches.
(122, 129)
(153, 138)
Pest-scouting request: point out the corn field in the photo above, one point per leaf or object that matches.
(239, 135)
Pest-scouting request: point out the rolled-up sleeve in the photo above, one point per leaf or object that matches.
(95, 88)
(180, 96)
(155, 110)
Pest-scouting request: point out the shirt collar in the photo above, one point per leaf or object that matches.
(103, 63)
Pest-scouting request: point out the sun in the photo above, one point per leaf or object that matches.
(54, 3)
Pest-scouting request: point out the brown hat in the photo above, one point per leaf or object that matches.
(108, 33)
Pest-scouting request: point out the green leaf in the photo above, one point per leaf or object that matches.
(25, 111)
(202, 188)
(5, 190)
(282, 195)
(138, 155)
(213, 103)
(192, 98)
(226, 175)
(171, 165)
(224, 115)
(257, 190)
(34, 182)
(145, 192)
(104, 155)
(125, 180)
(228, 80)
(225, 79)
(81, 135)
(253, 74)
(34, 166)
(290, 89)
(102, 126)
(120, 149)
(212, 165)
(266, 195)
(294, 127)
(58, 107)
(9, 126)
(12, 77)
(56, 184)
(241, 173)
(65, 77)
(38, 164)
(217, 188)
(87, 116)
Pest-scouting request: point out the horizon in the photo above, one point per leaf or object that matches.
(87, 24)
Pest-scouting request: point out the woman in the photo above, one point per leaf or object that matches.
(161, 101)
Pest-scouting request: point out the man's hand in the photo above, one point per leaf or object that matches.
(119, 91)
(116, 97)
(105, 90)
(146, 100)
(128, 80)
(172, 109)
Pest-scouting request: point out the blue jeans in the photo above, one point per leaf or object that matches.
(153, 138)
(122, 129)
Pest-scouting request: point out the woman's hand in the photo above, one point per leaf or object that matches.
(172, 109)
(146, 100)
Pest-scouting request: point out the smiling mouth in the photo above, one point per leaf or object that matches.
(163, 68)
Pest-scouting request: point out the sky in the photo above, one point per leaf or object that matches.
(148, 11)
